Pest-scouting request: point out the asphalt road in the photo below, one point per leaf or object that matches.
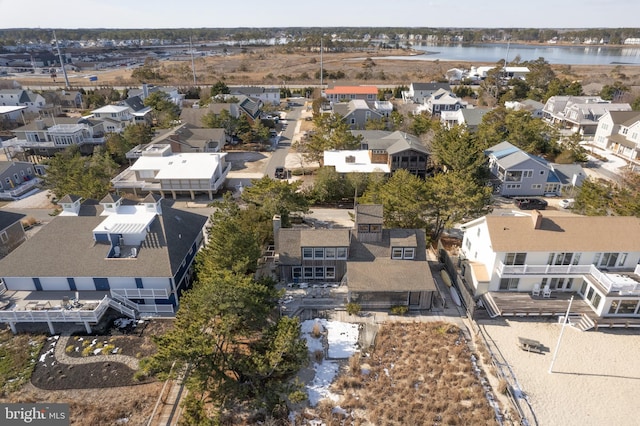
(284, 144)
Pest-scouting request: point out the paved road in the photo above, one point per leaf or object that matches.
(284, 144)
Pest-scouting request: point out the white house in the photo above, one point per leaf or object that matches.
(19, 97)
(352, 161)
(580, 114)
(545, 258)
(114, 117)
(619, 132)
(161, 171)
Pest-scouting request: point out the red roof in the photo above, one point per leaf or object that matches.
(352, 90)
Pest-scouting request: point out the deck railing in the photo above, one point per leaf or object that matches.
(92, 315)
(542, 269)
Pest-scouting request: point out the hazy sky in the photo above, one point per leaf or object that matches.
(318, 13)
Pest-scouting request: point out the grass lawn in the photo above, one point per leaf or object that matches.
(18, 356)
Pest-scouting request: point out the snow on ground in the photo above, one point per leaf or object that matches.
(342, 339)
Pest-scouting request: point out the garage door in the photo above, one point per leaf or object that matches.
(19, 284)
(54, 284)
(84, 283)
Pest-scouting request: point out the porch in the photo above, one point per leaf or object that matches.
(521, 304)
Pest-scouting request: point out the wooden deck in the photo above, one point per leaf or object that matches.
(524, 304)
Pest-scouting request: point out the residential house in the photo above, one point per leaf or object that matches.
(443, 100)
(159, 170)
(517, 173)
(141, 113)
(70, 99)
(147, 89)
(397, 150)
(529, 264)
(18, 178)
(19, 97)
(353, 161)
(267, 95)
(579, 114)
(193, 116)
(114, 117)
(534, 107)
(381, 268)
(468, 117)
(12, 116)
(134, 258)
(619, 132)
(11, 232)
(418, 93)
(355, 113)
(49, 135)
(348, 93)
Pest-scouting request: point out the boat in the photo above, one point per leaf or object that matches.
(455, 296)
(445, 277)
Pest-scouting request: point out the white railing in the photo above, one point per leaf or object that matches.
(220, 181)
(114, 304)
(141, 293)
(57, 314)
(616, 281)
(542, 269)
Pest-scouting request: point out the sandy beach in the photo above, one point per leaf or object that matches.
(596, 374)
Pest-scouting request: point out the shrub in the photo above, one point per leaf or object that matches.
(316, 332)
(399, 310)
(353, 308)
(69, 349)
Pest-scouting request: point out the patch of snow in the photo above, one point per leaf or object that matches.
(115, 351)
(93, 342)
(124, 322)
(319, 388)
(97, 351)
(343, 339)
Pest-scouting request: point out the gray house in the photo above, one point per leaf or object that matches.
(517, 173)
(11, 232)
(418, 93)
(356, 113)
(17, 178)
(382, 268)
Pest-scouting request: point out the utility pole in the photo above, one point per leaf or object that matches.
(193, 64)
(321, 68)
(64, 71)
(566, 318)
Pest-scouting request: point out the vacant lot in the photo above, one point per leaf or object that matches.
(417, 374)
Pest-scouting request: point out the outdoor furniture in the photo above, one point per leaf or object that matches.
(536, 290)
(530, 345)
(546, 291)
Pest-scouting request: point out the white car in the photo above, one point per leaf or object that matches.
(567, 203)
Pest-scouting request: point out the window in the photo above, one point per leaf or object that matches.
(527, 173)
(509, 283)
(296, 272)
(607, 260)
(353, 121)
(341, 253)
(515, 258)
(363, 228)
(396, 253)
(330, 253)
(513, 186)
(375, 228)
(409, 253)
(478, 233)
(307, 253)
(308, 272)
(319, 272)
(536, 186)
(4, 237)
(561, 259)
(468, 244)
(330, 272)
(318, 253)
(513, 176)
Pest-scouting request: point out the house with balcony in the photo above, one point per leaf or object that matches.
(18, 179)
(468, 117)
(443, 100)
(114, 117)
(396, 150)
(579, 114)
(348, 93)
(518, 173)
(161, 171)
(532, 263)
(11, 232)
(145, 90)
(47, 136)
(134, 258)
(619, 132)
(267, 95)
(380, 267)
(33, 102)
(141, 113)
(418, 93)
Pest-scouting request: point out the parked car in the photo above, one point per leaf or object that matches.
(567, 203)
(281, 173)
(530, 203)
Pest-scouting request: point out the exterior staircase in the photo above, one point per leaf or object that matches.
(582, 322)
(120, 307)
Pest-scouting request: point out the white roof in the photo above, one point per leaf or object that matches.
(196, 165)
(110, 109)
(6, 109)
(362, 162)
(128, 220)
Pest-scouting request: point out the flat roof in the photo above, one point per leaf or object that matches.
(192, 165)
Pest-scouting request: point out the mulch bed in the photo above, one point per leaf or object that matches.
(133, 340)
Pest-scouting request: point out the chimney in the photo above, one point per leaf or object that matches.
(536, 217)
(277, 224)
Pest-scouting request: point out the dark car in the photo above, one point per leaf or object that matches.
(530, 203)
(281, 173)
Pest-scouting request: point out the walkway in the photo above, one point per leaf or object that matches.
(63, 358)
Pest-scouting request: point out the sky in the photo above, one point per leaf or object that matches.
(322, 13)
